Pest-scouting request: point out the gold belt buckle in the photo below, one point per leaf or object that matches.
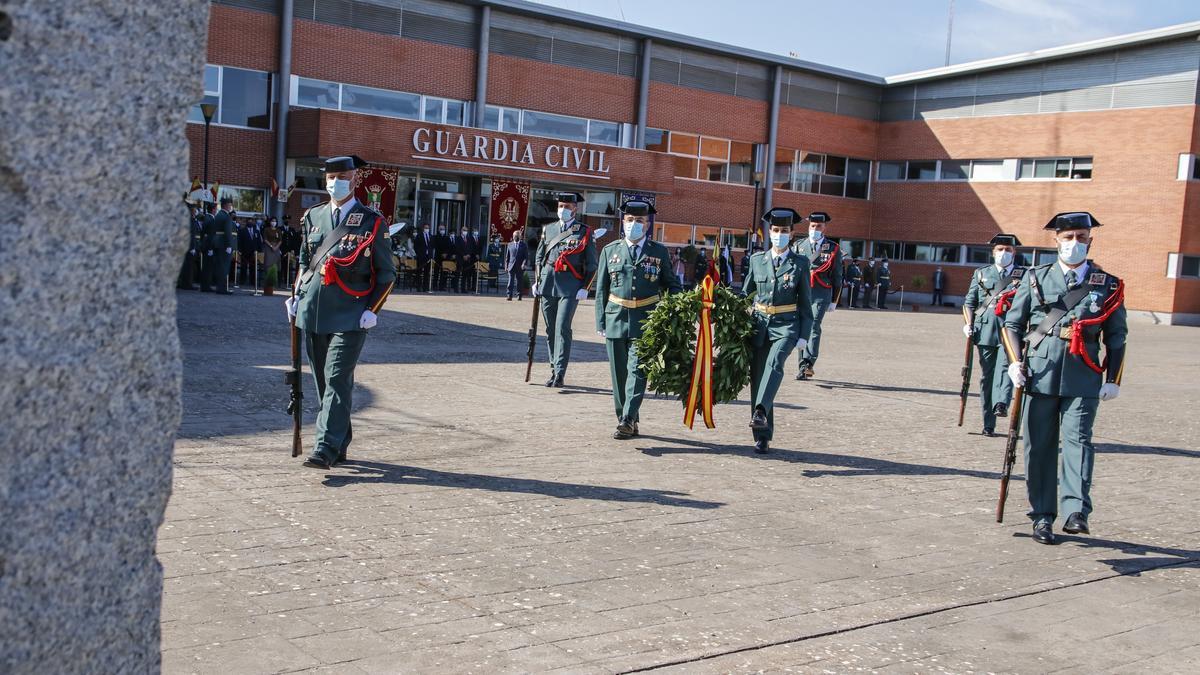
(1065, 332)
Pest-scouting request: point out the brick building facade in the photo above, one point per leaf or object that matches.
(920, 168)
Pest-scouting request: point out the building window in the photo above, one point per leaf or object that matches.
(243, 97)
(656, 140)
(381, 102)
(819, 173)
(443, 111)
(705, 157)
(987, 169)
(891, 171)
(884, 249)
(310, 93)
(979, 255)
(246, 201)
(1056, 168)
(852, 248)
(562, 127)
(603, 133)
(921, 171)
(935, 253)
(318, 94)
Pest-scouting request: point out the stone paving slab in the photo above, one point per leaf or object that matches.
(487, 525)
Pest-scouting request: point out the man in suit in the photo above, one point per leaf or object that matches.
(515, 256)
(443, 250)
(473, 247)
(423, 247)
(566, 264)
(779, 283)
(347, 272)
(939, 286)
(992, 288)
(1061, 314)
(208, 239)
(634, 274)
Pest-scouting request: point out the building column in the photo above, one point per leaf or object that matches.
(772, 140)
(481, 64)
(643, 95)
(283, 105)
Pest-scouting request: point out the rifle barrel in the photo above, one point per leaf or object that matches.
(1010, 449)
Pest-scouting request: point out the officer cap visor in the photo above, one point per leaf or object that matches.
(340, 164)
(1005, 240)
(637, 207)
(1073, 220)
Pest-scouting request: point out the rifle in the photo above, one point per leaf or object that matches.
(968, 360)
(292, 378)
(533, 325)
(1010, 449)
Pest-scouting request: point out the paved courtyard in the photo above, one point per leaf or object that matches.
(486, 525)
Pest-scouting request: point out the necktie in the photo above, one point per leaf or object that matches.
(337, 217)
(1071, 278)
(633, 252)
(778, 259)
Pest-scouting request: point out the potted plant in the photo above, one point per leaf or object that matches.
(918, 284)
(272, 277)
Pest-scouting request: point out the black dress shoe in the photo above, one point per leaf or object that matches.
(624, 431)
(808, 370)
(1043, 532)
(1000, 410)
(316, 461)
(988, 431)
(1076, 524)
(550, 382)
(558, 382)
(635, 428)
(758, 421)
(762, 446)
(801, 376)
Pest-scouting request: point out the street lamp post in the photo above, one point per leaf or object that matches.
(754, 219)
(208, 110)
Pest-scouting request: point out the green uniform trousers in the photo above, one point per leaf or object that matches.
(1049, 422)
(333, 357)
(766, 374)
(994, 384)
(813, 349)
(628, 381)
(557, 313)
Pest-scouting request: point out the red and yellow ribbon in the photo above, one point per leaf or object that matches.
(701, 392)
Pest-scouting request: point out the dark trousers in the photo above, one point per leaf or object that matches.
(514, 283)
(440, 276)
(557, 313)
(766, 374)
(187, 275)
(628, 381)
(332, 357)
(219, 272)
(937, 297)
(883, 293)
(423, 274)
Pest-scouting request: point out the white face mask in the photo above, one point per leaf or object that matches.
(815, 235)
(338, 188)
(1003, 258)
(565, 214)
(1072, 252)
(780, 239)
(634, 230)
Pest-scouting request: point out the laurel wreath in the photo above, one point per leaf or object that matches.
(667, 348)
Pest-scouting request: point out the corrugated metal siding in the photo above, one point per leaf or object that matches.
(548, 42)
(270, 6)
(429, 20)
(814, 92)
(1153, 75)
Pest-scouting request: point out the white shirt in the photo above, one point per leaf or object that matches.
(778, 254)
(342, 210)
(1080, 272)
(1006, 271)
(635, 247)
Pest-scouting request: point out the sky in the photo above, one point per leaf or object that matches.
(880, 37)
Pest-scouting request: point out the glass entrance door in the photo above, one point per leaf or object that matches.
(450, 212)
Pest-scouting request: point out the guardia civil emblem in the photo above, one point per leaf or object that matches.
(509, 211)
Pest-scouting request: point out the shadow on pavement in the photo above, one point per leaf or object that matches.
(575, 389)
(855, 466)
(832, 384)
(1162, 556)
(380, 472)
(1122, 449)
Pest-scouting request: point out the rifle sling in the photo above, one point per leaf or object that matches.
(554, 242)
(1064, 304)
(326, 246)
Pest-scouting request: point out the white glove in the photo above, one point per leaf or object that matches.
(967, 329)
(601, 333)
(801, 343)
(832, 306)
(229, 250)
(210, 254)
(368, 319)
(290, 303)
(192, 251)
(582, 294)
(1016, 373)
(1109, 391)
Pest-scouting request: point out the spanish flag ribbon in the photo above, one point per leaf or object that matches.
(701, 392)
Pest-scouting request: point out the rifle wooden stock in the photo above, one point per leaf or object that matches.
(533, 324)
(292, 379)
(1010, 449)
(968, 361)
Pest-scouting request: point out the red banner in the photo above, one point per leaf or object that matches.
(510, 206)
(376, 188)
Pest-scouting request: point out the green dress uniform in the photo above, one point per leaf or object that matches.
(885, 285)
(825, 280)
(566, 259)
(783, 314)
(1064, 388)
(627, 290)
(224, 241)
(989, 285)
(356, 275)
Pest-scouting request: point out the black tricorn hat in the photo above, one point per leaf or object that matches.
(1072, 220)
(819, 217)
(1005, 239)
(350, 163)
(638, 207)
(570, 197)
(782, 216)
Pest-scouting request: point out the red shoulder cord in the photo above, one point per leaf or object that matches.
(562, 264)
(813, 278)
(1110, 305)
(332, 264)
(1004, 302)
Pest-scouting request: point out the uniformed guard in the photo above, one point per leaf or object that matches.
(347, 272)
(1059, 316)
(224, 241)
(783, 315)
(566, 263)
(634, 274)
(825, 279)
(885, 284)
(992, 289)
